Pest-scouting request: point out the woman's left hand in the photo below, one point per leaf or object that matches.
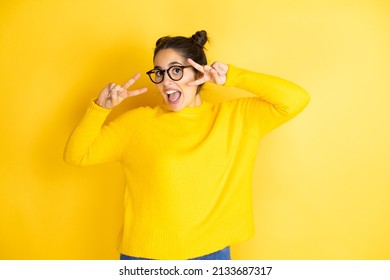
(215, 73)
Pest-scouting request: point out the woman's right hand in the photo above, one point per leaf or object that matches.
(113, 94)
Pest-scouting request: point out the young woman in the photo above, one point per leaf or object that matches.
(188, 163)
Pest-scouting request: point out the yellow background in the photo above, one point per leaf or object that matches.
(321, 183)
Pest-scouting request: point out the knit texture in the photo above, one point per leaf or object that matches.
(188, 173)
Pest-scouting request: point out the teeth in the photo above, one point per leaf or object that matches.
(170, 92)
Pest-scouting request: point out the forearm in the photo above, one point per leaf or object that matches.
(82, 139)
(286, 97)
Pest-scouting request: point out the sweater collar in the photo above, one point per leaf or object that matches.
(198, 110)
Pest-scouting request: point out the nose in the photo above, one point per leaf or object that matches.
(167, 79)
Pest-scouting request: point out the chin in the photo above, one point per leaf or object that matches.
(175, 107)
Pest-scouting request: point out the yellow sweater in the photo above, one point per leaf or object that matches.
(188, 173)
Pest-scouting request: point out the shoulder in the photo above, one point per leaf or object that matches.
(236, 103)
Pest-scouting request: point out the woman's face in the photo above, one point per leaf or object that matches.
(176, 94)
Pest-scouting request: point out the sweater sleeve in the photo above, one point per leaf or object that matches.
(275, 102)
(92, 142)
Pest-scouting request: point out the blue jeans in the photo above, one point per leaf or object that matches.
(223, 254)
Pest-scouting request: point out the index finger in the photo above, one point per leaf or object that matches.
(195, 65)
(131, 81)
(197, 82)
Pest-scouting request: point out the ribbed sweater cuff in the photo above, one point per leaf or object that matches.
(232, 74)
(96, 113)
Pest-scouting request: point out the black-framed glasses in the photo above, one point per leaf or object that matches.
(175, 72)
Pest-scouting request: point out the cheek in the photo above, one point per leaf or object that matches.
(189, 75)
(189, 78)
(160, 89)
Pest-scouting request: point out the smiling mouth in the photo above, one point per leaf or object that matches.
(173, 96)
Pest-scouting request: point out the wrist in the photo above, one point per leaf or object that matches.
(99, 104)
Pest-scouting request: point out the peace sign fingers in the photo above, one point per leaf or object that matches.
(113, 94)
(128, 84)
(216, 73)
(204, 78)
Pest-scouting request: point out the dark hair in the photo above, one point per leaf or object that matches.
(189, 47)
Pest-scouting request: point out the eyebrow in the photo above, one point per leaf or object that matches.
(169, 65)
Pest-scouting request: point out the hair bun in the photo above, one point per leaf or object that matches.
(200, 38)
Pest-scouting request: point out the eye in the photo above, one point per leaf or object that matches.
(159, 73)
(176, 70)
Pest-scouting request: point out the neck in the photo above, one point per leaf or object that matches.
(198, 100)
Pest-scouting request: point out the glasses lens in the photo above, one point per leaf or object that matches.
(175, 73)
(157, 76)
